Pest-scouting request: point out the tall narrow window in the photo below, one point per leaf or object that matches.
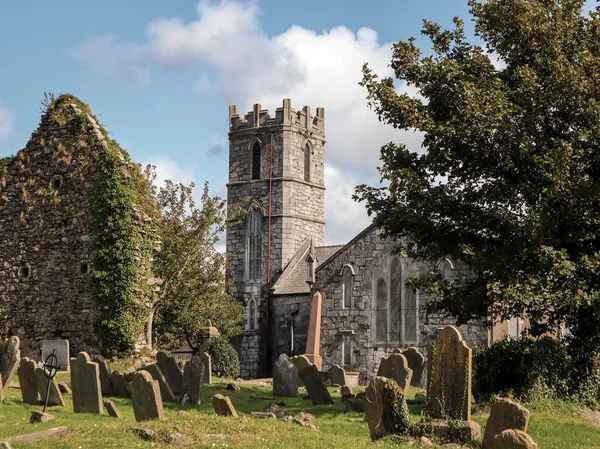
(410, 314)
(395, 301)
(254, 244)
(256, 161)
(347, 344)
(347, 287)
(252, 315)
(381, 311)
(307, 163)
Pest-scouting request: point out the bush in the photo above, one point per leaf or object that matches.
(225, 361)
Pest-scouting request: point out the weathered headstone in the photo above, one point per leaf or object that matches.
(105, 373)
(315, 387)
(62, 352)
(10, 356)
(416, 362)
(222, 406)
(119, 384)
(54, 396)
(449, 377)
(145, 397)
(64, 388)
(337, 375)
(111, 408)
(513, 439)
(396, 367)
(505, 414)
(285, 377)
(386, 409)
(346, 392)
(85, 383)
(170, 369)
(300, 362)
(207, 362)
(29, 389)
(193, 378)
(165, 390)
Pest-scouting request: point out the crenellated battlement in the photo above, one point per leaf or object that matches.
(283, 116)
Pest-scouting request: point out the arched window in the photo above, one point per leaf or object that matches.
(307, 162)
(395, 301)
(252, 321)
(256, 161)
(410, 314)
(381, 311)
(254, 244)
(347, 285)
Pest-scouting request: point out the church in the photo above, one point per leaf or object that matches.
(276, 171)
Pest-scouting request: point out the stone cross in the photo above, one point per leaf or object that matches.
(170, 369)
(145, 397)
(165, 390)
(396, 367)
(54, 396)
(85, 383)
(222, 406)
(105, 374)
(416, 362)
(337, 375)
(207, 362)
(193, 378)
(285, 377)
(10, 356)
(315, 387)
(29, 389)
(449, 377)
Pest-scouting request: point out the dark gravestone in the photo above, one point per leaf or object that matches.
(85, 383)
(416, 362)
(10, 356)
(193, 378)
(105, 373)
(64, 388)
(337, 375)
(386, 409)
(505, 414)
(165, 390)
(207, 362)
(315, 387)
(111, 408)
(145, 397)
(222, 406)
(396, 367)
(285, 377)
(29, 389)
(54, 396)
(119, 384)
(170, 369)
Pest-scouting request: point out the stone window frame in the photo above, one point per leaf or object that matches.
(252, 314)
(254, 243)
(347, 285)
(347, 340)
(255, 158)
(307, 150)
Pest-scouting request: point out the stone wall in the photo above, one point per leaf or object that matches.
(281, 324)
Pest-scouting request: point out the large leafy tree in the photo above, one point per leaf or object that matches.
(508, 177)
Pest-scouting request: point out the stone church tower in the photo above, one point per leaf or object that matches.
(276, 171)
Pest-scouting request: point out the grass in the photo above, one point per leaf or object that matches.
(553, 426)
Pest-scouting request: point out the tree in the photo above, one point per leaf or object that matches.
(193, 291)
(508, 178)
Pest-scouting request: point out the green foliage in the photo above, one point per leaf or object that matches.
(395, 414)
(509, 174)
(224, 358)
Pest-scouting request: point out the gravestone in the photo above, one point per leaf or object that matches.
(505, 414)
(300, 362)
(171, 371)
(105, 373)
(222, 406)
(193, 378)
(416, 362)
(29, 389)
(207, 362)
(54, 396)
(396, 367)
(111, 408)
(64, 388)
(62, 352)
(119, 384)
(385, 408)
(145, 397)
(337, 375)
(315, 387)
(513, 439)
(285, 377)
(10, 356)
(346, 392)
(165, 390)
(85, 384)
(449, 377)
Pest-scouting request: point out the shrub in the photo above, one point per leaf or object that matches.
(225, 361)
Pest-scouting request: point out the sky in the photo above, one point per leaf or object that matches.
(160, 74)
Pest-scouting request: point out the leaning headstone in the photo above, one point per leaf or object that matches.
(513, 439)
(222, 406)
(449, 377)
(386, 409)
(315, 387)
(64, 388)
(337, 375)
(119, 384)
(29, 389)
(54, 396)
(62, 352)
(300, 362)
(85, 383)
(416, 362)
(145, 397)
(193, 378)
(10, 356)
(505, 414)
(285, 377)
(170, 369)
(165, 390)
(207, 362)
(105, 373)
(111, 408)
(396, 367)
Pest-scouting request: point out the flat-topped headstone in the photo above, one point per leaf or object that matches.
(207, 362)
(119, 384)
(10, 356)
(111, 408)
(505, 414)
(29, 389)
(222, 406)
(337, 375)
(315, 387)
(193, 379)
(449, 377)
(385, 408)
(285, 377)
(85, 384)
(145, 397)
(62, 352)
(165, 390)
(105, 372)
(396, 367)
(416, 362)
(54, 396)
(171, 371)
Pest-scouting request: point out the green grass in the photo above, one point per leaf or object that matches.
(553, 426)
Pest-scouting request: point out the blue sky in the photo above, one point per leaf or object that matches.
(160, 75)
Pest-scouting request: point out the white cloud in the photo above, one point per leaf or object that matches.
(7, 123)
(167, 168)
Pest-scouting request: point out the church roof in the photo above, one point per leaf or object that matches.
(293, 278)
